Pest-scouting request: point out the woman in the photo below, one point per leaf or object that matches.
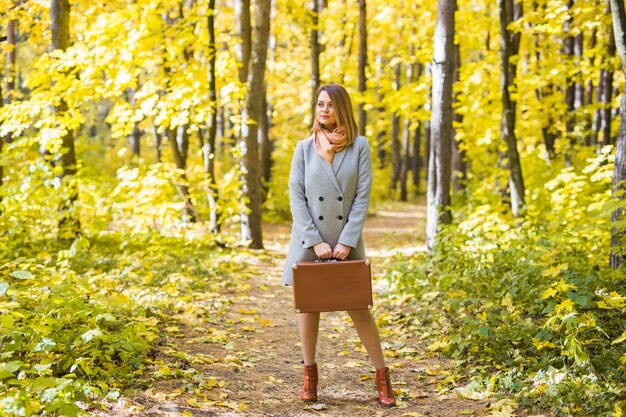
(329, 191)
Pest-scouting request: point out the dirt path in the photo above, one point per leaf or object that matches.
(252, 367)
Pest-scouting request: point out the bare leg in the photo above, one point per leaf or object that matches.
(309, 328)
(368, 333)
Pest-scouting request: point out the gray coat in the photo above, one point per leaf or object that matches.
(328, 204)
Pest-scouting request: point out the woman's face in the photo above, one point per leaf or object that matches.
(325, 111)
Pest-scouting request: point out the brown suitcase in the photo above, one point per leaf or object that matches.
(332, 285)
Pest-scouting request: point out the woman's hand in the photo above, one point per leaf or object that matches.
(323, 250)
(341, 251)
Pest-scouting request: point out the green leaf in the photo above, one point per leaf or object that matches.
(4, 286)
(91, 334)
(21, 274)
(7, 369)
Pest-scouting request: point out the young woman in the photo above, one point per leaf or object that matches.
(329, 191)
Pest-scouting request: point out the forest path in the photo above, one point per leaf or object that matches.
(245, 360)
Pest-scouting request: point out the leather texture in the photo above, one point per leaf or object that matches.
(309, 388)
(386, 398)
(332, 286)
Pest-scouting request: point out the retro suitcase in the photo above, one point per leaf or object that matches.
(332, 285)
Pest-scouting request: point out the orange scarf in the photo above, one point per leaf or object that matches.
(328, 143)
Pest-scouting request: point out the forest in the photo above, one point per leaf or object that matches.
(145, 149)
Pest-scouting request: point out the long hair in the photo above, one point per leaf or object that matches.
(343, 111)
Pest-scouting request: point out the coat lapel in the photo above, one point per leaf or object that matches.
(329, 171)
(338, 160)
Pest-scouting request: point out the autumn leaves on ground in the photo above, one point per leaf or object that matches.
(233, 350)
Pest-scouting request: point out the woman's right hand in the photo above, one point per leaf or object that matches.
(323, 250)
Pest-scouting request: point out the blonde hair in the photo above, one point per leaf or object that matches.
(343, 111)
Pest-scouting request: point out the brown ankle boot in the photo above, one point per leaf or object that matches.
(309, 390)
(385, 392)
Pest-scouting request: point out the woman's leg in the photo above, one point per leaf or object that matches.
(309, 328)
(368, 333)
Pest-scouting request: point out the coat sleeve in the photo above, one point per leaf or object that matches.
(351, 232)
(302, 220)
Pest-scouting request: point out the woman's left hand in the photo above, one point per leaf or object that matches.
(341, 251)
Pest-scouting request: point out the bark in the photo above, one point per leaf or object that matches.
(315, 56)
(395, 141)
(179, 144)
(208, 148)
(417, 162)
(602, 123)
(618, 234)
(459, 169)
(380, 138)
(438, 196)
(157, 139)
(509, 47)
(11, 73)
(69, 223)
(135, 136)
(251, 116)
(362, 64)
(568, 50)
(267, 145)
(405, 164)
(244, 30)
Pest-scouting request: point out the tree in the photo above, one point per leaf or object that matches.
(602, 122)
(362, 63)
(618, 255)
(438, 196)
(315, 56)
(69, 224)
(208, 148)
(251, 116)
(509, 46)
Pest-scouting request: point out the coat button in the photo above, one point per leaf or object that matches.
(321, 198)
(340, 198)
(340, 217)
(321, 217)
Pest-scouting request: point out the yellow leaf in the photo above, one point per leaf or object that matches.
(566, 306)
(555, 270)
(550, 292)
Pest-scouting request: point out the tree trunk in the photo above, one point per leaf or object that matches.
(69, 223)
(395, 140)
(416, 163)
(267, 145)
(438, 197)
(135, 136)
(458, 154)
(315, 57)
(618, 233)
(602, 123)
(11, 73)
(362, 64)
(380, 138)
(244, 30)
(208, 148)
(568, 50)
(179, 143)
(251, 116)
(405, 163)
(508, 48)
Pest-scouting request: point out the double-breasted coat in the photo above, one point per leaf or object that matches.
(328, 203)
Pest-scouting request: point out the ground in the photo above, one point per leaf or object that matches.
(243, 358)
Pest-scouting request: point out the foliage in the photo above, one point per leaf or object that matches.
(79, 325)
(531, 304)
